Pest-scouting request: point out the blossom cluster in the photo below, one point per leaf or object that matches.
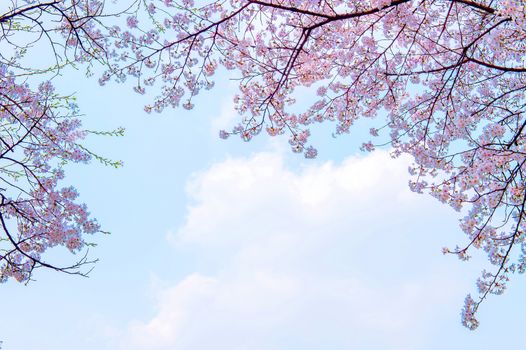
(39, 133)
(445, 79)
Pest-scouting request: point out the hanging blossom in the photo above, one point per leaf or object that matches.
(445, 80)
(40, 131)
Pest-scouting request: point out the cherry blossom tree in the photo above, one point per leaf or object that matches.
(446, 79)
(40, 132)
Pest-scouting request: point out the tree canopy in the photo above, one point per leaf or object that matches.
(40, 132)
(445, 78)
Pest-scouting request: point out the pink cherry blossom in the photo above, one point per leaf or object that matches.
(41, 132)
(443, 78)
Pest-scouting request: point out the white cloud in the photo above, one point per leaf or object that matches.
(332, 256)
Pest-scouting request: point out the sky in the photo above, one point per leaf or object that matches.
(222, 244)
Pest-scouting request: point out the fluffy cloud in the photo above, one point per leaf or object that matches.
(331, 256)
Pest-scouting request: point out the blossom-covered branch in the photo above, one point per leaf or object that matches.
(446, 77)
(40, 131)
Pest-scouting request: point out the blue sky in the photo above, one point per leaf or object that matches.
(231, 245)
